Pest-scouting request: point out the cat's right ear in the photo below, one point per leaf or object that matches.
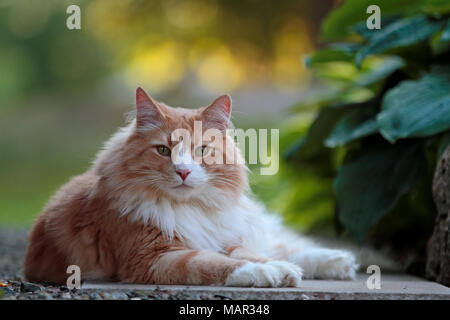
(148, 114)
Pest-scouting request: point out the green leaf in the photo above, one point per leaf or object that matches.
(349, 47)
(327, 55)
(340, 51)
(356, 124)
(374, 69)
(317, 99)
(401, 33)
(338, 24)
(446, 33)
(417, 108)
(384, 68)
(369, 186)
(437, 7)
(438, 45)
(361, 27)
(311, 146)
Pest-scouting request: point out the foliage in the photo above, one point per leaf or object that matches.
(385, 113)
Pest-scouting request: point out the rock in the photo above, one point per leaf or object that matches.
(95, 296)
(117, 295)
(45, 296)
(63, 288)
(106, 296)
(66, 295)
(30, 287)
(438, 253)
(5, 292)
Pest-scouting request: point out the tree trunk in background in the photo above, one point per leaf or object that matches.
(438, 257)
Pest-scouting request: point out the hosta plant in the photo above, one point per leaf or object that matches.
(383, 116)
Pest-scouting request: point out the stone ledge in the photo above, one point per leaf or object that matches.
(393, 287)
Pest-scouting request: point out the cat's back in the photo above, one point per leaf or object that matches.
(76, 191)
(53, 230)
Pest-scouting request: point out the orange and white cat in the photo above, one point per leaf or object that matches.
(137, 216)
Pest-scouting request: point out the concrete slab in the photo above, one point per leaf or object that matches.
(393, 287)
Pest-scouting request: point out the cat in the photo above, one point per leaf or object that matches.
(137, 217)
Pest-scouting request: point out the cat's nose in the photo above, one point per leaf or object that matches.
(183, 173)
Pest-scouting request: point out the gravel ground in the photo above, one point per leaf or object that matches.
(13, 244)
(13, 286)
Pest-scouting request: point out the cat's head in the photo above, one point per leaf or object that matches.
(175, 153)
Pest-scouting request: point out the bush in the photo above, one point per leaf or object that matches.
(383, 116)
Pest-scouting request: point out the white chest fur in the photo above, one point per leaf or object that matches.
(235, 223)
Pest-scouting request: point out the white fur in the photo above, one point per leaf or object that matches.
(325, 263)
(201, 229)
(270, 274)
(113, 144)
(182, 159)
(244, 222)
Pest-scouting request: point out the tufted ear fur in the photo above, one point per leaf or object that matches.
(217, 114)
(148, 113)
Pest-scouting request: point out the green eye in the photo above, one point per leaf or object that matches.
(201, 151)
(163, 150)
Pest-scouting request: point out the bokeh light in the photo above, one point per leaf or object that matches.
(158, 67)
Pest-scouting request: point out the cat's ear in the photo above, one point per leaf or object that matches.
(148, 113)
(217, 114)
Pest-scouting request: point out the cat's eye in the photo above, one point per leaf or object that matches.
(202, 151)
(163, 150)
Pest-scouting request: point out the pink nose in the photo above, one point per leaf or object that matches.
(183, 173)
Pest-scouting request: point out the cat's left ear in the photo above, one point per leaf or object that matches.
(217, 114)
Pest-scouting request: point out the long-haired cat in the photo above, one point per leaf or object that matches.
(138, 216)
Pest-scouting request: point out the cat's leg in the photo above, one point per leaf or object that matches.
(320, 263)
(242, 253)
(192, 267)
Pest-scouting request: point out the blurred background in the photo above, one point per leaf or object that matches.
(334, 88)
(63, 92)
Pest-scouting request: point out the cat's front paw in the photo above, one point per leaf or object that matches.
(326, 263)
(270, 274)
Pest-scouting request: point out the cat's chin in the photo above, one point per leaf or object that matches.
(183, 187)
(181, 192)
